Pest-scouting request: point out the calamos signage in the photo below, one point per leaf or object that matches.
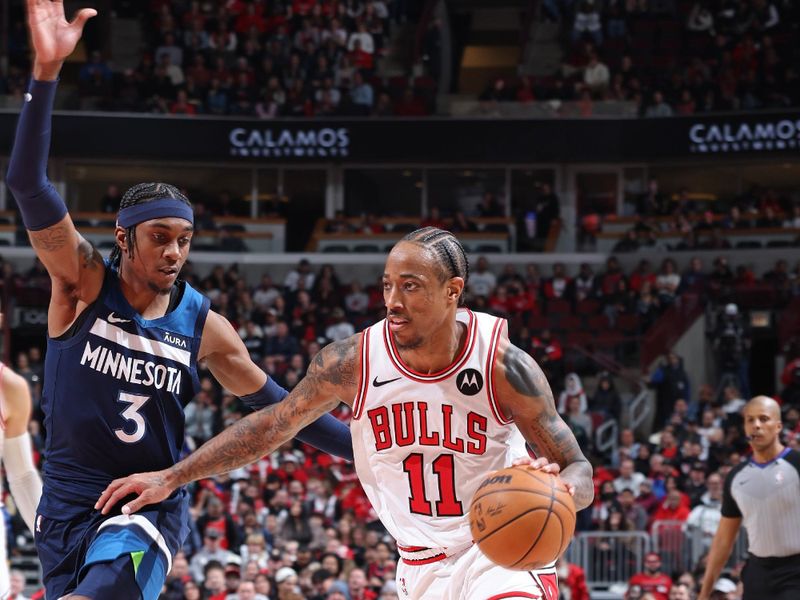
(290, 143)
(750, 136)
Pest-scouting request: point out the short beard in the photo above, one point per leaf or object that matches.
(159, 290)
(412, 345)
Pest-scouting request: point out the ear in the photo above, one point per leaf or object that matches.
(455, 287)
(120, 238)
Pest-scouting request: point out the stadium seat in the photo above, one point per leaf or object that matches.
(779, 244)
(597, 323)
(364, 248)
(587, 306)
(333, 248)
(561, 307)
(627, 323)
(748, 244)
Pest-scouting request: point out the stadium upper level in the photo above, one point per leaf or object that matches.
(413, 58)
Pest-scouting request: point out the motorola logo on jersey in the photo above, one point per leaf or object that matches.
(469, 382)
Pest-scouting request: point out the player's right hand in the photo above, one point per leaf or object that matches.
(149, 488)
(52, 36)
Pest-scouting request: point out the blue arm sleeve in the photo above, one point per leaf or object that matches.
(326, 433)
(39, 203)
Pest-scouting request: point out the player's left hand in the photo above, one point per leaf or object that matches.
(543, 464)
(149, 488)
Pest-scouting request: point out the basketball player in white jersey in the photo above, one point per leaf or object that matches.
(23, 478)
(440, 398)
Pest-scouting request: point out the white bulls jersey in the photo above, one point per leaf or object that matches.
(423, 443)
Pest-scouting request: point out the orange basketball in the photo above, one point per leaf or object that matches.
(522, 518)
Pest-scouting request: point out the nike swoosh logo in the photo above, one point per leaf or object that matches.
(377, 383)
(113, 319)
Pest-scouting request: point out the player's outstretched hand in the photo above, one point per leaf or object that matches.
(542, 464)
(53, 37)
(148, 487)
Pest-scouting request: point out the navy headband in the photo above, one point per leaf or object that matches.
(162, 207)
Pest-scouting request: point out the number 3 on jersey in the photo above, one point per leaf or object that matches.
(444, 470)
(131, 414)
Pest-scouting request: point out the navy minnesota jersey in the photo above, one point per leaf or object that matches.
(114, 394)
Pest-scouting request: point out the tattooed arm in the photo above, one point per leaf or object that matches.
(331, 378)
(525, 396)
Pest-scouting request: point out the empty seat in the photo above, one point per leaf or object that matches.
(336, 248)
(748, 244)
(588, 306)
(557, 306)
(233, 227)
(366, 248)
(778, 244)
(597, 323)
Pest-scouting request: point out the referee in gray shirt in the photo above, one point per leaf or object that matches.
(763, 494)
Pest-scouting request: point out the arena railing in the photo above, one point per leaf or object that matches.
(609, 558)
(669, 327)
(682, 546)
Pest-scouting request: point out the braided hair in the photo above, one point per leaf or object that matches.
(140, 194)
(447, 250)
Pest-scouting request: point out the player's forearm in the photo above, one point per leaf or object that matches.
(252, 437)
(240, 444)
(579, 474)
(39, 203)
(721, 548)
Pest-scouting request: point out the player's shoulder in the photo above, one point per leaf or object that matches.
(13, 382)
(16, 393)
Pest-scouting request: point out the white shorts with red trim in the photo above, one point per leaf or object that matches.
(469, 575)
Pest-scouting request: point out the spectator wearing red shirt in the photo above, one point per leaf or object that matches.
(673, 508)
(434, 219)
(357, 586)
(410, 105)
(608, 280)
(252, 17)
(652, 580)
(574, 578)
(643, 272)
(499, 302)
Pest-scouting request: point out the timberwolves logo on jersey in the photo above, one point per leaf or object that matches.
(469, 382)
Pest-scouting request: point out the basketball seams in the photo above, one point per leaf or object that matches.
(522, 553)
(527, 490)
(543, 527)
(517, 517)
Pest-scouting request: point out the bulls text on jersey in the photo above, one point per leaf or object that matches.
(409, 423)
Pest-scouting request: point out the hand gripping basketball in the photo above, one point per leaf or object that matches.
(523, 517)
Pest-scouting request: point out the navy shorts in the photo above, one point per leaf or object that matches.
(150, 538)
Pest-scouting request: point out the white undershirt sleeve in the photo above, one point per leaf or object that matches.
(23, 478)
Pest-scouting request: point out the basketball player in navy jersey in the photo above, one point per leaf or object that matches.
(124, 339)
(440, 398)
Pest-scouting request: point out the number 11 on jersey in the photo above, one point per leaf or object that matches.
(444, 469)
